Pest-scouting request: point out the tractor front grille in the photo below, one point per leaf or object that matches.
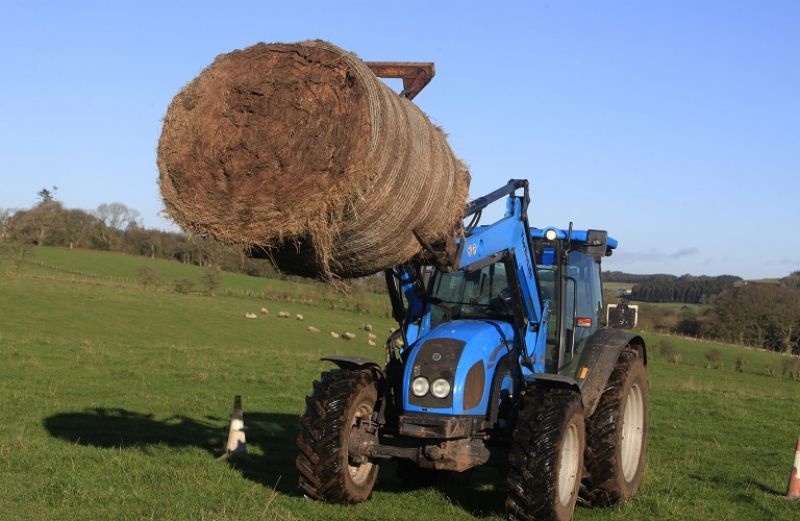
(437, 358)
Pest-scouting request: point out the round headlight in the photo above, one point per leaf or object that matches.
(550, 235)
(440, 388)
(420, 386)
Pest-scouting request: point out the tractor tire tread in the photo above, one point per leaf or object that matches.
(603, 486)
(533, 454)
(320, 441)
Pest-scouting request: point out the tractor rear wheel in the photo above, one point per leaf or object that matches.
(327, 471)
(546, 456)
(617, 433)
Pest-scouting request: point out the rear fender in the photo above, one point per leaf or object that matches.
(600, 356)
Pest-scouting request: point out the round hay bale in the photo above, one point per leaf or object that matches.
(300, 151)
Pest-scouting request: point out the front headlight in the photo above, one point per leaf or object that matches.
(420, 386)
(440, 388)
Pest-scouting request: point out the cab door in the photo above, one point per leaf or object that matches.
(583, 308)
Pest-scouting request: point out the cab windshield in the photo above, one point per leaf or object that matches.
(481, 293)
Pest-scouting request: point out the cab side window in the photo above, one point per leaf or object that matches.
(584, 307)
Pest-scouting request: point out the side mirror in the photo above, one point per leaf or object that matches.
(596, 243)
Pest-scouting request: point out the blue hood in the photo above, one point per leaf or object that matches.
(458, 344)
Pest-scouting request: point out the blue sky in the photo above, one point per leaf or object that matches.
(675, 125)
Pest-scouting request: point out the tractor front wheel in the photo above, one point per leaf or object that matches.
(617, 433)
(546, 456)
(340, 400)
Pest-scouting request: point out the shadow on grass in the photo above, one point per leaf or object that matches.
(272, 433)
(272, 465)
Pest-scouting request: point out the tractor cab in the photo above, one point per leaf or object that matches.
(568, 267)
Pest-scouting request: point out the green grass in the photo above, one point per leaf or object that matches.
(114, 403)
(123, 270)
(119, 266)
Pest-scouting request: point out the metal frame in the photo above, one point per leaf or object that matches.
(415, 75)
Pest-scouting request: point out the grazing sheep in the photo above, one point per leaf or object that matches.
(299, 317)
(366, 327)
(334, 334)
(392, 330)
(250, 315)
(312, 329)
(371, 336)
(348, 335)
(264, 311)
(283, 314)
(371, 342)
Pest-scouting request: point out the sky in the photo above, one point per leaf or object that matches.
(675, 125)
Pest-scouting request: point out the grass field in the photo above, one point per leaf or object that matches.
(114, 404)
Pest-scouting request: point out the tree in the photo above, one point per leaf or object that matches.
(46, 196)
(5, 217)
(763, 315)
(211, 279)
(38, 224)
(117, 216)
(791, 281)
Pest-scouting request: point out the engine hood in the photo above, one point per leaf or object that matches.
(457, 351)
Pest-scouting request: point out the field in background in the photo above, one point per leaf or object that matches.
(120, 270)
(114, 403)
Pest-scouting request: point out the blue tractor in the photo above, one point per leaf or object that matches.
(502, 358)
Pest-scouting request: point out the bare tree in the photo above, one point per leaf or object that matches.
(5, 216)
(117, 215)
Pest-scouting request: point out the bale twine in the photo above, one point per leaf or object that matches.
(299, 149)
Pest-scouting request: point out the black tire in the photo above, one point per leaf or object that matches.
(546, 420)
(326, 473)
(611, 461)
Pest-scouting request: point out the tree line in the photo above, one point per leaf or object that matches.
(756, 314)
(115, 227)
(688, 289)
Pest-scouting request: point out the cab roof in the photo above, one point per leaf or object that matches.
(578, 236)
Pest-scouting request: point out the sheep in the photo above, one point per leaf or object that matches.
(250, 315)
(334, 334)
(371, 336)
(264, 311)
(371, 342)
(312, 329)
(366, 327)
(299, 317)
(283, 314)
(347, 335)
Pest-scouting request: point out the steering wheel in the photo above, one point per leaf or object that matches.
(502, 302)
